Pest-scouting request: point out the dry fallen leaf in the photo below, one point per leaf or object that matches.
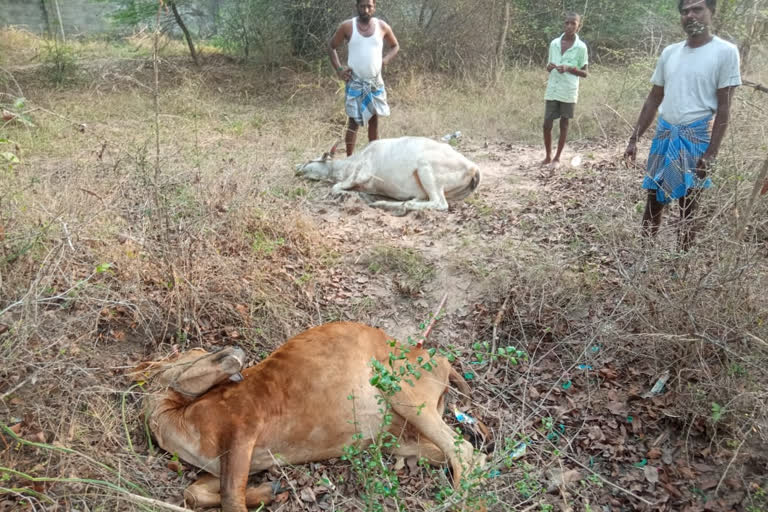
(558, 478)
(617, 408)
(37, 437)
(175, 466)
(651, 474)
(307, 495)
(413, 464)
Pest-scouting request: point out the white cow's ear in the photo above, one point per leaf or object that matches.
(326, 156)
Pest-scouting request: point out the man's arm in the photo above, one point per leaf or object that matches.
(391, 40)
(573, 70)
(580, 69)
(722, 117)
(340, 37)
(647, 115)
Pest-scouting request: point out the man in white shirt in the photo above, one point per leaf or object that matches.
(694, 80)
(366, 97)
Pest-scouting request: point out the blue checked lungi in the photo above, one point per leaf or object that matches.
(675, 151)
(365, 99)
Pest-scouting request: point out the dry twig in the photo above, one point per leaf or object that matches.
(730, 463)
(496, 322)
(434, 320)
(755, 86)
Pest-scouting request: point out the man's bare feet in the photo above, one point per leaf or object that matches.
(555, 164)
(545, 162)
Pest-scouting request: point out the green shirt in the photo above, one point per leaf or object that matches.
(565, 86)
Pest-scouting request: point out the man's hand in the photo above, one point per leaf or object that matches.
(562, 69)
(703, 166)
(344, 73)
(630, 154)
(550, 67)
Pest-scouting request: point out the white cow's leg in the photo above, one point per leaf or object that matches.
(355, 179)
(437, 201)
(396, 207)
(338, 191)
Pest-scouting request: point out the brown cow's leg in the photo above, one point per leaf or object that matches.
(422, 448)
(431, 425)
(235, 466)
(204, 493)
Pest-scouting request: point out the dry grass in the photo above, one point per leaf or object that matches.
(106, 259)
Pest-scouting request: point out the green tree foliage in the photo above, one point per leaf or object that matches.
(312, 22)
(252, 29)
(449, 35)
(134, 13)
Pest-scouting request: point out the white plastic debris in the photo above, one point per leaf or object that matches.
(519, 450)
(451, 136)
(659, 386)
(576, 161)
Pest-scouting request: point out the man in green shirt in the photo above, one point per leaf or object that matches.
(567, 63)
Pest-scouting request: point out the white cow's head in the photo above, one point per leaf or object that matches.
(319, 168)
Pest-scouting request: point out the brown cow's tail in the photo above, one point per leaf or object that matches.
(479, 434)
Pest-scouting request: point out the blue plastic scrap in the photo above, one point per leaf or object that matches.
(464, 418)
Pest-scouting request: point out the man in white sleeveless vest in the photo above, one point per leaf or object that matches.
(366, 97)
(692, 90)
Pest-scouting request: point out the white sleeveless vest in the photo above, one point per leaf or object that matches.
(365, 53)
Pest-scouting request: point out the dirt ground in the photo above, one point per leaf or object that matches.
(528, 261)
(588, 402)
(508, 177)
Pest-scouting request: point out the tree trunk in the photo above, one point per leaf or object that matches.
(61, 24)
(187, 35)
(746, 45)
(760, 187)
(214, 7)
(46, 18)
(499, 64)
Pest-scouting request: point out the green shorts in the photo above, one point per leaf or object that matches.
(558, 109)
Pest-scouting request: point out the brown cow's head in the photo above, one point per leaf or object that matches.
(194, 372)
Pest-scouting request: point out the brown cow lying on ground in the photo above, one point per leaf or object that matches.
(293, 408)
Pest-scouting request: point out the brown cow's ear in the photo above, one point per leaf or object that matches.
(333, 149)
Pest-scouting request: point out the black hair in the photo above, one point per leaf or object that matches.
(711, 5)
(574, 15)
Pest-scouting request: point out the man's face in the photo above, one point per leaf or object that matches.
(572, 25)
(366, 9)
(695, 17)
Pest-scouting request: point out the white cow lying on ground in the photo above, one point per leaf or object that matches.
(412, 173)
